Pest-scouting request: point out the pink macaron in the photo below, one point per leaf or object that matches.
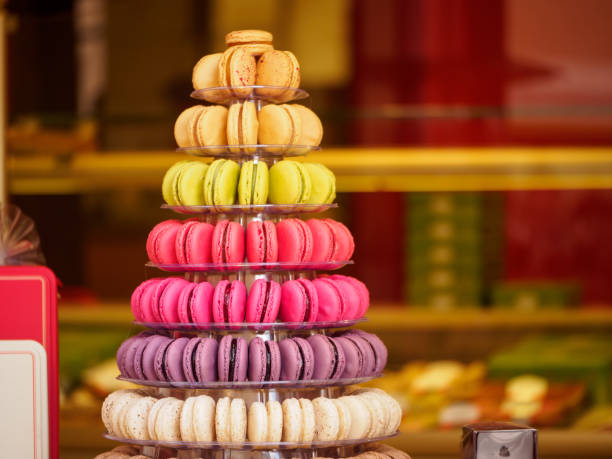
(332, 241)
(161, 242)
(193, 243)
(195, 303)
(228, 303)
(362, 292)
(139, 298)
(299, 301)
(167, 299)
(294, 241)
(228, 242)
(261, 242)
(332, 300)
(263, 302)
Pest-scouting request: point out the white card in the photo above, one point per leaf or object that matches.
(24, 426)
(515, 444)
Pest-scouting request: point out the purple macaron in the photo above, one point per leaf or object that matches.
(378, 348)
(200, 360)
(356, 356)
(264, 360)
(148, 356)
(329, 357)
(125, 355)
(297, 359)
(232, 358)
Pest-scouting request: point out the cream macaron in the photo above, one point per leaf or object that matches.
(256, 42)
(327, 420)
(136, 417)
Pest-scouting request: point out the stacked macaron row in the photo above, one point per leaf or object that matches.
(250, 59)
(173, 242)
(225, 182)
(367, 413)
(288, 125)
(174, 300)
(149, 357)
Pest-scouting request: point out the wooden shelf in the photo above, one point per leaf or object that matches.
(385, 317)
(356, 169)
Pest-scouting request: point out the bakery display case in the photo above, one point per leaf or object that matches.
(473, 164)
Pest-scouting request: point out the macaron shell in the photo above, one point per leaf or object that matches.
(234, 126)
(234, 294)
(275, 125)
(331, 300)
(182, 125)
(275, 421)
(205, 73)
(353, 357)
(312, 129)
(362, 292)
(258, 358)
(168, 183)
(211, 126)
(309, 359)
(292, 420)
(344, 240)
(277, 68)
(168, 301)
(137, 299)
(323, 182)
(228, 242)
(187, 361)
(322, 240)
(174, 359)
(152, 419)
(138, 357)
(308, 420)
(156, 295)
(189, 182)
(242, 71)
(135, 419)
(238, 420)
(380, 416)
(241, 37)
(167, 425)
(249, 125)
(199, 306)
(344, 416)
(297, 296)
(194, 243)
(257, 422)
(222, 419)
(263, 302)
(352, 300)
(128, 356)
(294, 241)
(186, 420)
(328, 357)
(261, 241)
(360, 417)
(161, 242)
(253, 183)
(289, 182)
(159, 366)
(149, 353)
(204, 418)
(240, 361)
(327, 422)
(296, 125)
(379, 348)
(225, 184)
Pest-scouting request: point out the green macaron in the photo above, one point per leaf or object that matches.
(289, 183)
(220, 183)
(323, 184)
(253, 183)
(168, 183)
(188, 183)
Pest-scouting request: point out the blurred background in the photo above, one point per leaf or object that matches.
(471, 140)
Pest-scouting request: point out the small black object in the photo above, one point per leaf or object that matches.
(504, 452)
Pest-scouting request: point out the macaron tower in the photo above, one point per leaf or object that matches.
(248, 347)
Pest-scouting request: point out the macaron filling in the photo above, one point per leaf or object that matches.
(265, 238)
(226, 300)
(264, 307)
(373, 352)
(223, 244)
(268, 361)
(232, 362)
(335, 349)
(190, 305)
(194, 355)
(302, 362)
(306, 317)
(163, 362)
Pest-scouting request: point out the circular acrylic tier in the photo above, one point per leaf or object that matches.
(226, 95)
(238, 209)
(246, 266)
(249, 151)
(248, 445)
(236, 385)
(252, 326)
